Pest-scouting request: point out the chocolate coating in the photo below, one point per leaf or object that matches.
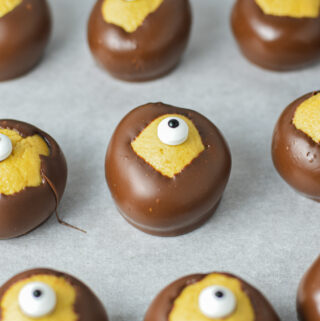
(308, 305)
(273, 42)
(23, 211)
(24, 34)
(151, 51)
(87, 306)
(177, 206)
(295, 155)
(162, 305)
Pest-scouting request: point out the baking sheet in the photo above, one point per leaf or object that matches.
(262, 231)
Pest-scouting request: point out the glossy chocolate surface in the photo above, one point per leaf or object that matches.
(23, 211)
(87, 305)
(295, 155)
(179, 204)
(162, 305)
(24, 34)
(308, 302)
(273, 42)
(151, 51)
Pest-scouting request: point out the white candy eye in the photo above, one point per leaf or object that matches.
(217, 302)
(173, 131)
(5, 147)
(37, 299)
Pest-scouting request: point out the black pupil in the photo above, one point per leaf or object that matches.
(173, 123)
(37, 293)
(219, 294)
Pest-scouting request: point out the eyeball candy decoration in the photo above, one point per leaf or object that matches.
(5, 147)
(217, 302)
(48, 295)
(210, 297)
(139, 40)
(173, 131)
(33, 175)
(157, 155)
(25, 28)
(37, 299)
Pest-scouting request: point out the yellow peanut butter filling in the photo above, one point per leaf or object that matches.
(128, 14)
(23, 167)
(8, 5)
(64, 309)
(166, 159)
(186, 305)
(291, 8)
(307, 117)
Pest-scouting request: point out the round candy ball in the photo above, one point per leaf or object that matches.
(295, 145)
(49, 295)
(308, 294)
(277, 42)
(25, 27)
(166, 188)
(32, 177)
(207, 297)
(145, 50)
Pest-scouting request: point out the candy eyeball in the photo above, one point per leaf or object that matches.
(173, 131)
(37, 299)
(5, 147)
(217, 302)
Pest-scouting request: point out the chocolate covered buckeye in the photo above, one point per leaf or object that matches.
(48, 295)
(207, 297)
(33, 175)
(25, 27)
(295, 145)
(278, 35)
(308, 304)
(139, 40)
(167, 168)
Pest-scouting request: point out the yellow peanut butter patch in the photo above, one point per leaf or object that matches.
(291, 8)
(22, 168)
(166, 159)
(65, 294)
(186, 305)
(128, 14)
(8, 5)
(307, 117)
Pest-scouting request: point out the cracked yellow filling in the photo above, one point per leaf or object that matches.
(307, 117)
(8, 5)
(291, 8)
(23, 167)
(166, 159)
(64, 309)
(128, 14)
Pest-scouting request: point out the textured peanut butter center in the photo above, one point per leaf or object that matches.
(128, 14)
(65, 293)
(186, 306)
(166, 159)
(22, 168)
(307, 117)
(291, 8)
(8, 5)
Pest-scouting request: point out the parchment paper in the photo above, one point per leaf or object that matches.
(263, 231)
